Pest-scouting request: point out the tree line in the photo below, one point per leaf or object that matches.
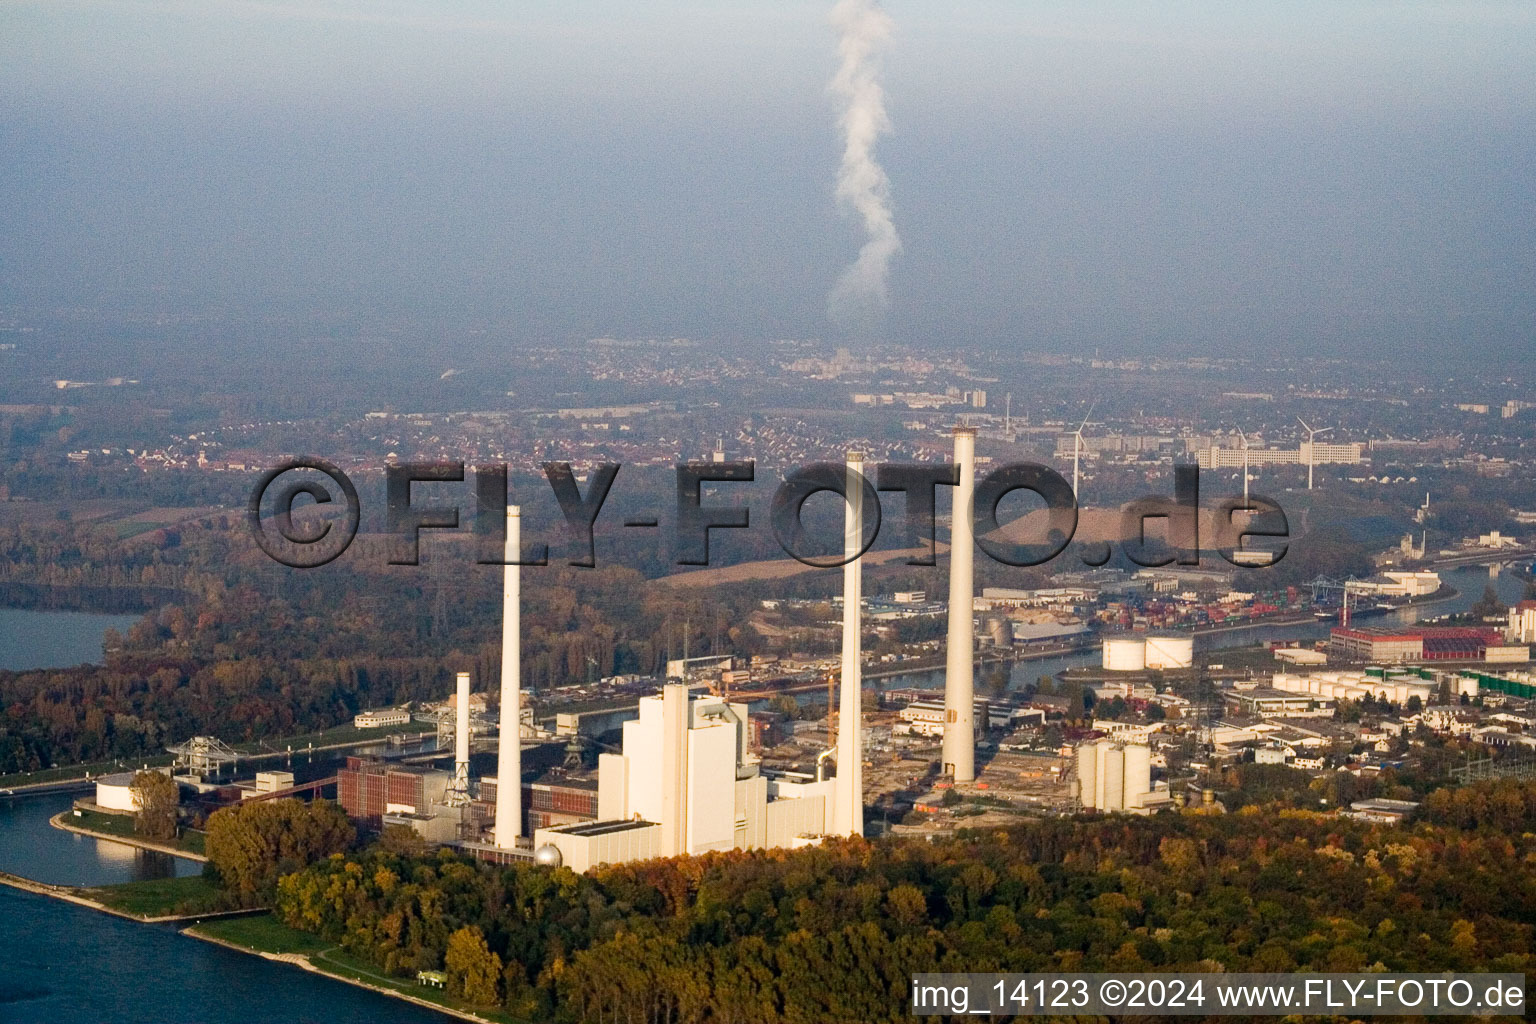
(833, 933)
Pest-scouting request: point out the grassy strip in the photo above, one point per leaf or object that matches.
(160, 897)
(266, 934)
(343, 964)
(190, 840)
(262, 933)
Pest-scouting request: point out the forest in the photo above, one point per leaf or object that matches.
(833, 933)
(252, 650)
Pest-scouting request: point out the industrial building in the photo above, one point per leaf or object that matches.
(1522, 623)
(369, 789)
(1271, 702)
(381, 718)
(686, 781)
(1115, 777)
(926, 717)
(1382, 644)
(686, 784)
(1308, 453)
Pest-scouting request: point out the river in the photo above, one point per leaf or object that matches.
(66, 964)
(48, 639)
(1469, 583)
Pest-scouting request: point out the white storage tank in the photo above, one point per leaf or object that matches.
(115, 793)
(1138, 774)
(1170, 651)
(1114, 780)
(1087, 762)
(1125, 654)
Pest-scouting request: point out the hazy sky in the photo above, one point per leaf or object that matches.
(1314, 174)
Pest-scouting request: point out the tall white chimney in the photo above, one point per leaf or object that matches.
(959, 692)
(458, 789)
(509, 745)
(848, 801)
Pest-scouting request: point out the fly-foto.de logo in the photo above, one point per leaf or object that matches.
(319, 539)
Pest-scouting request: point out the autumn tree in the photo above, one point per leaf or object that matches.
(155, 800)
(252, 844)
(474, 972)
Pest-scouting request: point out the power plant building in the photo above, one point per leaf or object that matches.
(368, 789)
(686, 784)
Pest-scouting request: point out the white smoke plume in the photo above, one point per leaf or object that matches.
(863, 189)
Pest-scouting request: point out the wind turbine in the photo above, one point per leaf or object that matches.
(1312, 436)
(1077, 447)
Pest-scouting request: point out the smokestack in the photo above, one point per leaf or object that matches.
(959, 692)
(458, 789)
(848, 802)
(509, 746)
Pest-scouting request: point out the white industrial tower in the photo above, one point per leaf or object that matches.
(509, 745)
(458, 788)
(959, 691)
(848, 802)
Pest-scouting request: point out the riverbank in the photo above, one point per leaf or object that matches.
(343, 737)
(94, 899)
(60, 821)
(311, 954)
(1289, 620)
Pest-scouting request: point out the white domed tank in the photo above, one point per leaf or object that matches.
(1114, 779)
(548, 856)
(1138, 774)
(1087, 762)
(1125, 654)
(1170, 651)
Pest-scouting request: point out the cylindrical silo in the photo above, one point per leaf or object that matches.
(1114, 780)
(1138, 774)
(1087, 761)
(1100, 772)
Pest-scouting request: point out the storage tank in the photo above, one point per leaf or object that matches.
(1170, 651)
(1001, 631)
(1138, 774)
(1087, 761)
(1123, 654)
(1114, 780)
